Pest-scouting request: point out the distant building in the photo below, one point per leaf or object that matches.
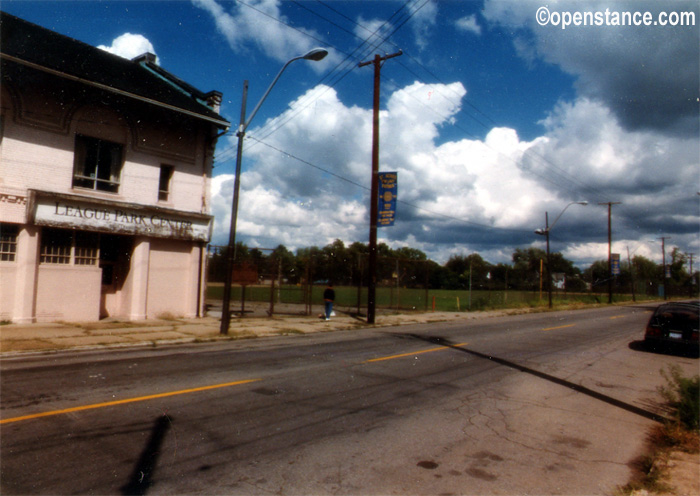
(105, 170)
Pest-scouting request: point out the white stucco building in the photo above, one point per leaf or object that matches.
(105, 169)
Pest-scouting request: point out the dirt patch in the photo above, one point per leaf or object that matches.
(682, 473)
(671, 465)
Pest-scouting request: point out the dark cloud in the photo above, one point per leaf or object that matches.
(647, 75)
(649, 78)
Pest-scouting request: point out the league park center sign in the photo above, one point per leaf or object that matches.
(73, 212)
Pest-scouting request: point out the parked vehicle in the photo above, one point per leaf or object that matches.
(674, 325)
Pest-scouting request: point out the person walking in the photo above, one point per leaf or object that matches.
(328, 300)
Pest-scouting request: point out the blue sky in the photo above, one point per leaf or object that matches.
(490, 118)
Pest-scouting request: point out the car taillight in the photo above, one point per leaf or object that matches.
(694, 336)
(653, 331)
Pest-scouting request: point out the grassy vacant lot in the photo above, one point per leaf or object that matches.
(416, 299)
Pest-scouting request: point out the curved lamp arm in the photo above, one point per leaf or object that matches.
(316, 54)
(562, 212)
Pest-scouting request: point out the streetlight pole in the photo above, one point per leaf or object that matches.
(316, 54)
(545, 232)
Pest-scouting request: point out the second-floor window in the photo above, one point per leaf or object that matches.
(166, 174)
(98, 164)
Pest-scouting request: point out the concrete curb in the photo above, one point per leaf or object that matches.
(24, 339)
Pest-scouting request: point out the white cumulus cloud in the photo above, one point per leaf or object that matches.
(307, 184)
(469, 24)
(129, 46)
(255, 23)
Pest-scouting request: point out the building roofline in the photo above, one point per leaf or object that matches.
(219, 122)
(42, 49)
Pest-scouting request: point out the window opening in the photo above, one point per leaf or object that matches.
(55, 246)
(86, 248)
(98, 164)
(8, 242)
(166, 174)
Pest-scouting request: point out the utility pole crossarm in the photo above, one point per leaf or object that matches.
(378, 59)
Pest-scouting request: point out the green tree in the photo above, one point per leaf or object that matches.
(526, 267)
(439, 276)
(413, 270)
(647, 274)
(597, 275)
(218, 260)
(501, 276)
(307, 263)
(471, 266)
(358, 254)
(572, 274)
(216, 264)
(386, 263)
(408, 253)
(282, 262)
(335, 263)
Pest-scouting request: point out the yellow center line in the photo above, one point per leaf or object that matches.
(414, 353)
(559, 327)
(124, 401)
(617, 317)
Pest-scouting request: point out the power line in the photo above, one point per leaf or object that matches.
(552, 174)
(408, 204)
(350, 65)
(279, 21)
(341, 70)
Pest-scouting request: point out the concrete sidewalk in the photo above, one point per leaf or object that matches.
(50, 337)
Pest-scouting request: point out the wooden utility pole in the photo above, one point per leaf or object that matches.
(663, 262)
(610, 275)
(629, 262)
(374, 196)
(690, 257)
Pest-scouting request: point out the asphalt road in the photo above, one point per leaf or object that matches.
(553, 403)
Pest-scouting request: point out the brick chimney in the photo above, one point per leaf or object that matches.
(213, 99)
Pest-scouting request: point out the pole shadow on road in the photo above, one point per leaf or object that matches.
(142, 475)
(556, 380)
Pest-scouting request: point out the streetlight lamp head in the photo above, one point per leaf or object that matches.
(584, 202)
(540, 231)
(316, 54)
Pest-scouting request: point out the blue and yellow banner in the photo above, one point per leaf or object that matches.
(388, 191)
(615, 264)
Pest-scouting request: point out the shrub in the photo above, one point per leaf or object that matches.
(683, 396)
